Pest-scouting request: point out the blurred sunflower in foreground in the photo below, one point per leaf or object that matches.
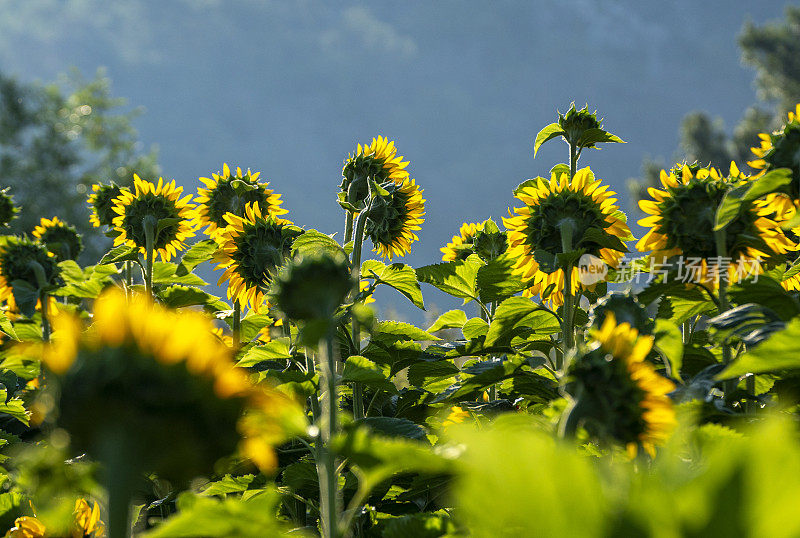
(61, 240)
(86, 524)
(618, 395)
(160, 203)
(581, 208)
(252, 247)
(682, 218)
(101, 203)
(393, 218)
(230, 193)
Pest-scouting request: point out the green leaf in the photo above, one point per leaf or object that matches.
(198, 253)
(422, 525)
(475, 328)
(393, 427)
(399, 276)
(735, 198)
(527, 183)
(590, 137)
(166, 223)
(669, 340)
(358, 369)
(602, 238)
(401, 331)
(312, 241)
(559, 170)
(766, 292)
(547, 133)
(167, 273)
(497, 281)
(452, 319)
(456, 278)
(781, 351)
(13, 407)
(422, 373)
(7, 327)
(25, 296)
(277, 349)
(520, 314)
(121, 253)
(182, 296)
(232, 484)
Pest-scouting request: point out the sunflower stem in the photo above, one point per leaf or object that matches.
(41, 283)
(729, 386)
(358, 243)
(348, 227)
(45, 317)
(128, 277)
(567, 229)
(237, 324)
(149, 224)
(326, 465)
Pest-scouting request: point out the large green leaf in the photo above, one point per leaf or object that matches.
(669, 341)
(121, 253)
(399, 276)
(781, 351)
(456, 278)
(452, 319)
(277, 349)
(766, 292)
(178, 296)
(394, 427)
(497, 281)
(167, 273)
(25, 296)
(13, 407)
(312, 241)
(547, 133)
(401, 331)
(520, 314)
(358, 369)
(198, 253)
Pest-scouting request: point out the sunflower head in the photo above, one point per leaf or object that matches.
(312, 287)
(22, 260)
(252, 248)
(393, 217)
(626, 309)
(561, 220)
(377, 161)
(27, 527)
(681, 219)
(230, 193)
(619, 396)
(61, 240)
(484, 239)
(152, 370)
(781, 149)
(8, 211)
(161, 203)
(101, 202)
(87, 520)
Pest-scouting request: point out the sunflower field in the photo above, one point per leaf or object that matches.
(592, 384)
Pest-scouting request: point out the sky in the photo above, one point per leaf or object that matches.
(290, 88)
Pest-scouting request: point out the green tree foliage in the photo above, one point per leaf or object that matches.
(773, 50)
(56, 140)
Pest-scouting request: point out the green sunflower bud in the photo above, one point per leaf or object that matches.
(7, 208)
(489, 241)
(582, 129)
(312, 287)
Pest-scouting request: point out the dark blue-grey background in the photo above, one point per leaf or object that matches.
(289, 88)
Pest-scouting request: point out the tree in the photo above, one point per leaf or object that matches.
(57, 140)
(773, 50)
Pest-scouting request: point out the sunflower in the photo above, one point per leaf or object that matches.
(101, 202)
(461, 246)
(162, 202)
(781, 149)
(252, 247)
(154, 370)
(392, 220)
(61, 240)
(534, 233)
(620, 395)
(87, 520)
(227, 193)
(377, 161)
(26, 527)
(17, 258)
(682, 217)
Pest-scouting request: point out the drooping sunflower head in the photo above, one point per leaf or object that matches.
(7, 208)
(153, 370)
(24, 260)
(377, 161)
(579, 214)
(230, 193)
(312, 287)
(61, 240)
(626, 309)
(621, 396)
(101, 202)
(252, 248)
(393, 219)
(161, 203)
(781, 149)
(681, 220)
(461, 247)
